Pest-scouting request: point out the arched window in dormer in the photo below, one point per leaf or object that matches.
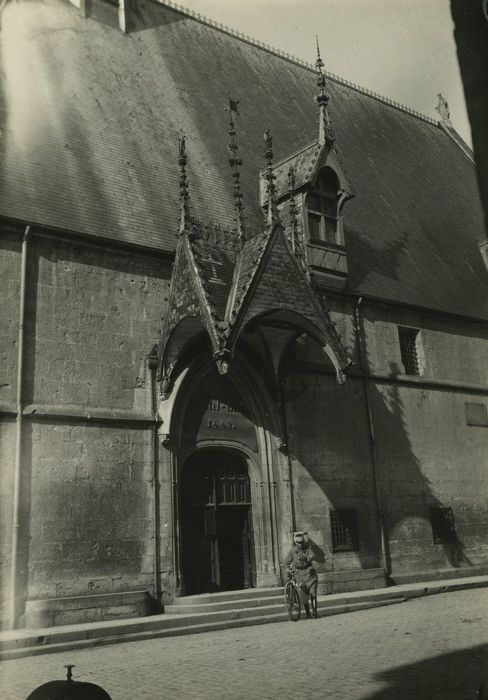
(323, 208)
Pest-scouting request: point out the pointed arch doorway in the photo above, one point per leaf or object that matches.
(216, 522)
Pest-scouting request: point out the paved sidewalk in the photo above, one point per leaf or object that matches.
(428, 648)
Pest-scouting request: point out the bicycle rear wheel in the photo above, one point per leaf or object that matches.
(313, 601)
(292, 602)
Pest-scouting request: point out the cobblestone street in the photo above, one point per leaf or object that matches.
(427, 648)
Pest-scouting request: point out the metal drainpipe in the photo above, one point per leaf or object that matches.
(175, 519)
(372, 444)
(152, 363)
(288, 457)
(13, 606)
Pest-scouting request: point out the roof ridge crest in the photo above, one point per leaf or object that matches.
(295, 59)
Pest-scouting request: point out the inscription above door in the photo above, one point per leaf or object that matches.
(216, 412)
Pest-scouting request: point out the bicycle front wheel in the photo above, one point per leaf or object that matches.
(292, 602)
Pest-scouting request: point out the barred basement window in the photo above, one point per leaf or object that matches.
(476, 414)
(344, 528)
(443, 528)
(409, 348)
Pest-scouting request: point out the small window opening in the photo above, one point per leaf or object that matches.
(409, 340)
(443, 528)
(323, 208)
(476, 414)
(344, 529)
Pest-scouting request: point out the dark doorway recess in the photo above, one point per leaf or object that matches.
(216, 523)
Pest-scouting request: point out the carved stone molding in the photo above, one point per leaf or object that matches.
(281, 444)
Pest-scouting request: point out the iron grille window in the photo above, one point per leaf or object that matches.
(476, 414)
(443, 528)
(233, 489)
(344, 529)
(409, 350)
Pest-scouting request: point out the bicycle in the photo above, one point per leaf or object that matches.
(291, 594)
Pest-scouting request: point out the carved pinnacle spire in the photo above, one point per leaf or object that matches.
(325, 132)
(443, 109)
(185, 208)
(293, 209)
(235, 162)
(270, 177)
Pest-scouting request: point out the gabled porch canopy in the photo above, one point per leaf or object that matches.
(223, 284)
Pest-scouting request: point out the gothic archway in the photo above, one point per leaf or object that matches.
(231, 415)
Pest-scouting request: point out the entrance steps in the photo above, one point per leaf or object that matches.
(211, 612)
(266, 603)
(227, 600)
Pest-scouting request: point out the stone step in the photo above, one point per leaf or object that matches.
(216, 605)
(216, 602)
(244, 594)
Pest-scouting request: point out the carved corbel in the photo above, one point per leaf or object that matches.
(222, 359)
(281, 444)
(165, 439)
(165, 388)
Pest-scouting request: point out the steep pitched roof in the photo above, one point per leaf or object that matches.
(90, 117)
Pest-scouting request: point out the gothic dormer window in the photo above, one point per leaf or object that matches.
(323, 208)
(311, 189)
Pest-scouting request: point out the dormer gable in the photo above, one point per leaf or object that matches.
(311, 191)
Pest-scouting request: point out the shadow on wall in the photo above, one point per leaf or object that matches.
(337, 459)
(455, 676)
(408, 495)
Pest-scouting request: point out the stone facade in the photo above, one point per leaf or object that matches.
(123, 370)
(92, 521)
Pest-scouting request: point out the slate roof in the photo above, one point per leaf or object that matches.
(215, 261)
(303, 163)
(89, 125)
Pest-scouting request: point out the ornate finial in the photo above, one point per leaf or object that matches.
(270, 177)
(325, 131)
(443, 109)
(185, 209)
(235, 162)
(69, 672)
(319, 63)
(293, 208)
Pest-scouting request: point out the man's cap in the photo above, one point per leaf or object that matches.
(300, 534)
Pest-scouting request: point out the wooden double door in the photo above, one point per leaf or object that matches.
(216, 523)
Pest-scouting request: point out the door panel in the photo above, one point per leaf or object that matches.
(217, 535)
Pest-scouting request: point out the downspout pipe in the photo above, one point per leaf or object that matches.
(152, 364)
(288, 457)
(363, 365)
(14, 600)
